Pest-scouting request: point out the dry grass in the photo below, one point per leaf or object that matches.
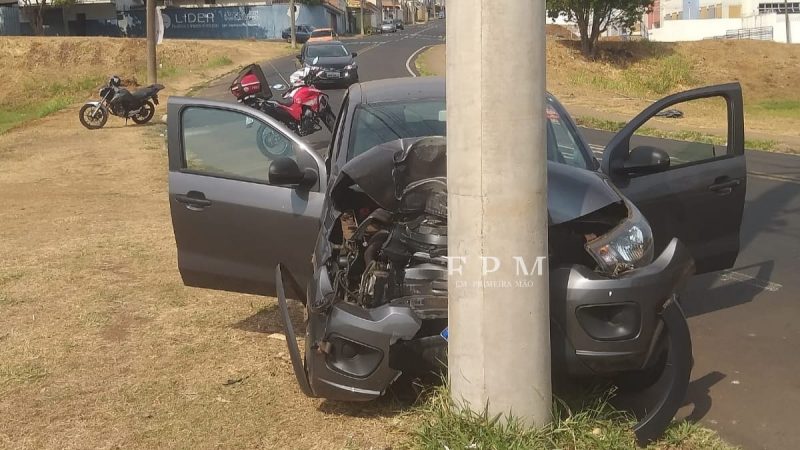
(101, 346)
(628, 76)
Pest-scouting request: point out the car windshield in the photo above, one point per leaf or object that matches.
(326, 51)
(379, 123)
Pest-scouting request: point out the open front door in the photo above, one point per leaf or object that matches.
(687, 175)
(232, 224)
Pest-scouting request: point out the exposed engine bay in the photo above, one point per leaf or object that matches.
(398, 256)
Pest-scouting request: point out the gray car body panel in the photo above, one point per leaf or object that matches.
(231, 244)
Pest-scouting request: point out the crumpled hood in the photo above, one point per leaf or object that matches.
(571, 192)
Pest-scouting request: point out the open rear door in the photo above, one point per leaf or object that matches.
(687, 175)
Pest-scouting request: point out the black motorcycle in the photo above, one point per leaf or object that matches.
(115, 99)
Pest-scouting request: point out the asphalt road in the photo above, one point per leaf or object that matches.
(745, 322)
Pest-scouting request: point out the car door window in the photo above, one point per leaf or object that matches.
(230, 144)
(563, 145)
(338, 132)
(690, 132)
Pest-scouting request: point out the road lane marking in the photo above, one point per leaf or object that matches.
(774, 177)
(410, 58)
(275, 69)
(730, 275)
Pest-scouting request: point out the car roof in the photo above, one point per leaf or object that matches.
(408, 88)
(323, 29)
(318, 43)
(396, 89)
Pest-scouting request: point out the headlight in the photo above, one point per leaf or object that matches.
(628, 246)
(351, 66)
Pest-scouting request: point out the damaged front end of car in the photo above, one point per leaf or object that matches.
(377, 304)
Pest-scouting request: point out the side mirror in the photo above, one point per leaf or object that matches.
(299, 57)
(284, 171)
(355, 54)
(645, 159)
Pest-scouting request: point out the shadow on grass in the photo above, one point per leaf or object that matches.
(268, 320)
(622, 54)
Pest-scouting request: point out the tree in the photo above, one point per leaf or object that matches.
(594, 17)
(34, 11)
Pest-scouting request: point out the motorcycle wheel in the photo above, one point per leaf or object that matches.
(145, 114)
(655, 394)
(272, 144)
(93, 117)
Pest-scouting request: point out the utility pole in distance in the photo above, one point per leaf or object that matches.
(363, 3)
(499, 321)
(152, 71)
(788, 22)
(292, 20)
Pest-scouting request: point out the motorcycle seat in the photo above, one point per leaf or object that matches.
(147, 92)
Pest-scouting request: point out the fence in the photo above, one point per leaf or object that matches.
(760, 34)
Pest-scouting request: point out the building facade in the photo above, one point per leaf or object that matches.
(688, 20)
(211, 19)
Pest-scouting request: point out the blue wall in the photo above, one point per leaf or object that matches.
(259, 22)
(691, 9)
(9, 20)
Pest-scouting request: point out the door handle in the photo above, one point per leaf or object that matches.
(193, 200)
(724, 187)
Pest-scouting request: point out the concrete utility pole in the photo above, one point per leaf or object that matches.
(152, 71)
(499, 333)
(363, 3)
(292, 27)
(788, 22)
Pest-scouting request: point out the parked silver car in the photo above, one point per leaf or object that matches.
(388, 26)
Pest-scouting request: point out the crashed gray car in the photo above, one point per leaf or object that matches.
(360, 237)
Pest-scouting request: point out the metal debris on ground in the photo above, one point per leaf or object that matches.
(670, 114)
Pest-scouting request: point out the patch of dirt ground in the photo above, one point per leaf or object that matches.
(101, 346)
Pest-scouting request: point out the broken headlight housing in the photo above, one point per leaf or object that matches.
(628, 246)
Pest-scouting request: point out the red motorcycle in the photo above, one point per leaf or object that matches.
(301, 109)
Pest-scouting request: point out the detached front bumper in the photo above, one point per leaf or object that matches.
(604, 326)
